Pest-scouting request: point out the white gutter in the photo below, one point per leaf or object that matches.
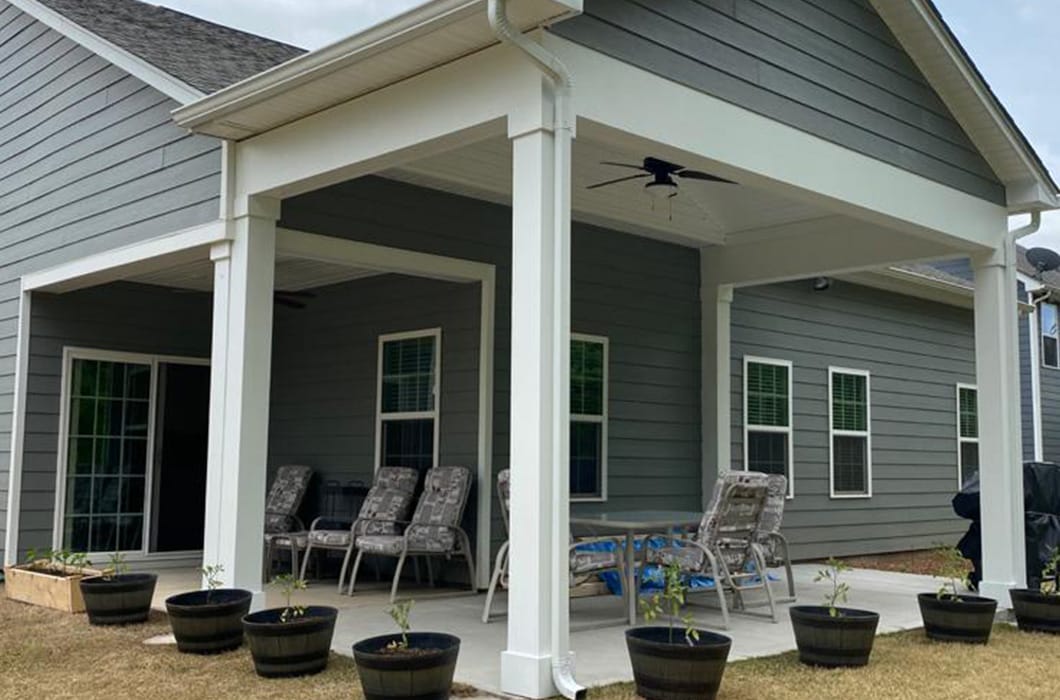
(563, 124)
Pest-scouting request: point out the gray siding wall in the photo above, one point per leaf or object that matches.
(89, 160)
(642, 294)
(829, 67)
(1050, 378)
(124, 317)
(917, 351)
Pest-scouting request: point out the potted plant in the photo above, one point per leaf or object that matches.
(49, 579)
(671, 663)
(1039, 610)
(407, 664)
(952, 616)
(210, 621)
(294, 640)
(117, 597)
(831, 636)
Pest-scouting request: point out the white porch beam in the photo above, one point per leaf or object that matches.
(241, 362)
(998, 379)
(460, 103)
(716, 367)
(831, 245)
(651, 115)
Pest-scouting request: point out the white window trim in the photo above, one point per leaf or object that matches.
(833, 433)
(602, 419)
(789, 430)
(59, 519)
(961, 440)
(1042, 335)
(434, 415)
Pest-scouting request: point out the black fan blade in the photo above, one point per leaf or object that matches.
(697, 175)
(618, 180)
(296, 295)
(289, 303)
(624, 165)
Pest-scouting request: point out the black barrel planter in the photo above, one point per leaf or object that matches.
(298, 647)
(123, 599)
(967, 619)
(208, 622)
(424, 671)
(677, 670)
(833, 642)
(1036, 611)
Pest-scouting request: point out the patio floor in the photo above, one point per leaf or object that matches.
(600, 653)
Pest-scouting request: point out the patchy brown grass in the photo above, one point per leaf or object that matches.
(50, 654)
(923, 561)
(904, 666)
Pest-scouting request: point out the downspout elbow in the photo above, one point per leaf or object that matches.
(1031, 228)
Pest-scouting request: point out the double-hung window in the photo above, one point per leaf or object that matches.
(588, 417)
(967, 433)
(1050, 327)
(850, 473)
(407, 424)
(767, 397)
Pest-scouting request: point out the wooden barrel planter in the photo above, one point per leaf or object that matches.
(298, 647)
(676, 670)
(968, 619)
(208, 622)
(123, 599)
(833, 642)
(423, 671)
(1036, 611)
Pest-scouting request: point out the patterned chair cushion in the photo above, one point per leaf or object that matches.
(331, 538)
(504, 494)
(397, 478)
(440, 509)
(772, 517)
(382, 511)
(688, 558)
(285, 496)
(388, 545)
(589, 562)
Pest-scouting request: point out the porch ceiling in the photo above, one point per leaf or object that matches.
(293, 274)
(704, 213)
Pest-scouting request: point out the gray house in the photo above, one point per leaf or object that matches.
(221, 255)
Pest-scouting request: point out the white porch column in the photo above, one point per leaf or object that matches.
(540, 329)
(997, 375)
(716, 369)
(239, 396)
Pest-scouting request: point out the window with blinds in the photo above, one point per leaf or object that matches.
(588, 417)
(768, 422)
(967, 433)
(850, 435)
(408, 399)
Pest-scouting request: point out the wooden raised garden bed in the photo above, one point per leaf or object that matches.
(47, 585)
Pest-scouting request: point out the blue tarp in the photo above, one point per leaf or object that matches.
(652, 578)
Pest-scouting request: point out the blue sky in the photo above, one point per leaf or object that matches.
(1012, 41)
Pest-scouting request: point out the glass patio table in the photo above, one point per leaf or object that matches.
(632, 523)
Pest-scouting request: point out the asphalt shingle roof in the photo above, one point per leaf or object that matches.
(202, 54)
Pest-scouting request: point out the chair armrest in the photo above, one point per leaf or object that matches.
(294, 519)
(323, 522)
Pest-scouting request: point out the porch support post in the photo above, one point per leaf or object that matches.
(239, 396)
(997, 375)
(716, 369)
(540, 328)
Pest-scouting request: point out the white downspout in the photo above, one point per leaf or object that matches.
(1035, 340)
(563, 124)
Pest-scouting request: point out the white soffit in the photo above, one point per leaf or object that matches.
(425, 37)
(925, 38)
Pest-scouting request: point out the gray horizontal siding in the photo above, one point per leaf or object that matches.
(916, 351)
(829, 67)
(89, 160)
(1050, 379)
(123, 317)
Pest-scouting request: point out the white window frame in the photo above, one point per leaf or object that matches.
(961, 440)
(434, 414)
(789, 430)
(602, 419)
(79, 353)
(833, 433)
(1042, 335)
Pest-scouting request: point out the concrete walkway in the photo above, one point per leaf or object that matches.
(600, 653)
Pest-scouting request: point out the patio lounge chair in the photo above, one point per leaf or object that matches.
(383, 512)
(774, 545)
(724, 547)
(283, 529)
(433, 531)
(582, 562)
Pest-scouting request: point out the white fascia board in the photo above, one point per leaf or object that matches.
(130, 63)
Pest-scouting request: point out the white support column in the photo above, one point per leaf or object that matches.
(997, 376)
(18, 430)
(716, 368)
(239, 396)
(536, 376)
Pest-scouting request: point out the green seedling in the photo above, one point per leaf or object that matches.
(399, 613)
(834, 569)
(669, 602)
(288, 584)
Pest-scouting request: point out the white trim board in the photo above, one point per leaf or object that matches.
(132, 64)
(789, 430)
(867, 434)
